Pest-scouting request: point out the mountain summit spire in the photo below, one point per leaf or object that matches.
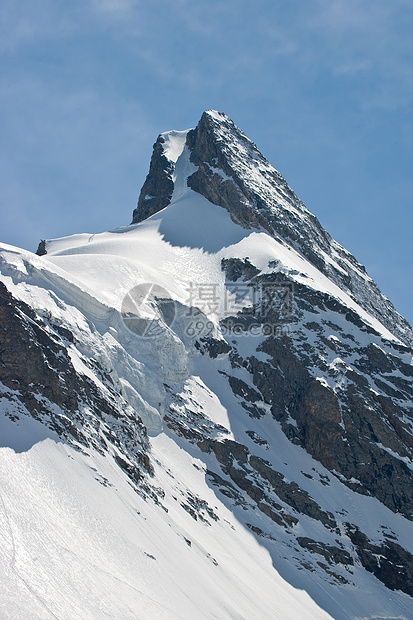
(230, 171)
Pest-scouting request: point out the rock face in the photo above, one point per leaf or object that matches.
(232, 173)
(41, 249)
(156, 192)
(37, 372)
(322, 395)
(337, 388)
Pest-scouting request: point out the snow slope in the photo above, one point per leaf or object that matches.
(79, 542)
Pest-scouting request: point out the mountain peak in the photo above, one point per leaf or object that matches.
(229, 171)
(217, 399)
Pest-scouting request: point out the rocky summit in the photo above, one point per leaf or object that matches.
(207, 413)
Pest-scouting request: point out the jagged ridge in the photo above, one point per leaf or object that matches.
(234, 174)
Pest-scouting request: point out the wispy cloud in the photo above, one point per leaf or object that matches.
(68, 150)
(114, 7)
(23, 23)
(372, 37)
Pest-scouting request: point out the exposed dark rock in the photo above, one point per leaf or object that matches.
(63, 331)
(389, 562)
(240, 388)
(199, 508)
(235, 268)
(212, 346)
(31, 360)
(182, 429)
(157, 190)
(257, 530)
(35, 364)
(375, 360)
(252, 410)
(291, 493)
(132, 471)
(344, 430)
(257, 439)
(226, 488)
(253, 475)
(333, 555)
(336, 576)
(41, 248)
(227, 164)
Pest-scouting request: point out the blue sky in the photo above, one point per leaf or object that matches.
(323, 87)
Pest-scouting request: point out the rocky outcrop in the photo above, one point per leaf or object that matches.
(156, 192)
(349, 427)
(331, 553)
(236, 268)
(234, 174)
(350, 405)
(388, 561)
(41, 249)
(265, 486)
(36, 371)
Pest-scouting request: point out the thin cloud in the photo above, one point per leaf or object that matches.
(114, 8)
(74, 150)
(23, 22)
(369, 40)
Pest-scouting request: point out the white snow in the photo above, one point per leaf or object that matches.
(78, 542)
(174, 143)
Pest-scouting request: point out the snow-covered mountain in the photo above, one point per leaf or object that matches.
(205, 414)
